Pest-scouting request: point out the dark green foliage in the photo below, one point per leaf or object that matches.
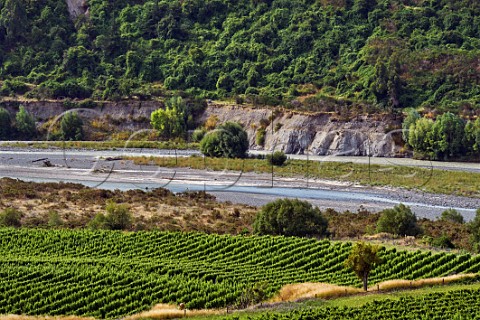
(472, 136)
(25, 123)
(474, 226)
(399, 220)
(277, 158)
(252, 295)
(5, 124)
(391, 53)
(260, 136)
(12, 87)
(443, 242)
(452, 215)
(228, 140)
(11, 217)
(71, 126)
(290, 217)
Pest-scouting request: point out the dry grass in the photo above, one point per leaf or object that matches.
(167, 311)
(160, 210)
(294, 292)
(410, 284)
(298, 291)
(24, 317)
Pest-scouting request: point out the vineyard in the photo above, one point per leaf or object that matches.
(459, 304)
(109, 274)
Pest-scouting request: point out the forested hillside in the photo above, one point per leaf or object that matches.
(386, 53)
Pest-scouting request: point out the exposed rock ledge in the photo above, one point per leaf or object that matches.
(321, 134)
(77, 8)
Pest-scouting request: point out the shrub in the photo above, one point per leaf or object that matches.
(211, 122)
(399, 220)
(98, 222)
(11, 87)
(441, 242)
(71, 126)
(452, 215)
(229, 140)
(118, 217)
(54, 219)
(474, 227)
(277, 158)
(260, 137)
(290, 217)
(25, 123)
(11, 217)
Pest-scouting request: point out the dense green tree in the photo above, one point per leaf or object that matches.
(474, 227)
(408, 121)
(71, 126)
(448, 136)
(399, 220)
(472, 136)
(420, 136)
(290, 217)
(362, 259)
(5, 124)
(25, 123)
(13, 19)
(171, 122)
(228, 140)
(362, 51)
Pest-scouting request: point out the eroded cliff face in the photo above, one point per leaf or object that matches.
(77, 8)
(321, 134)
(293, 133)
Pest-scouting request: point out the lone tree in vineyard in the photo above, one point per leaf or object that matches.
(363, 258)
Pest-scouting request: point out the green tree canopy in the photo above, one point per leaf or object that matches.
(362, 259)
(71, 126)
(228, 140)
(452, 215)
(5, 124)
(171, 122)
(25, 123)
(290, 217)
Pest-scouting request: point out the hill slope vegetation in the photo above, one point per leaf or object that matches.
(388, 53)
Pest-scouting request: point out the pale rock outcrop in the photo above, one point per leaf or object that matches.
(319, 134)
(293, 133)
(77, 8)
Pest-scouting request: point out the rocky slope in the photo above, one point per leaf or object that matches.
(291, 132)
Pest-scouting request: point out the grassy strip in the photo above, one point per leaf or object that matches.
(104, 145)
(355, 301)
(436, 181)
